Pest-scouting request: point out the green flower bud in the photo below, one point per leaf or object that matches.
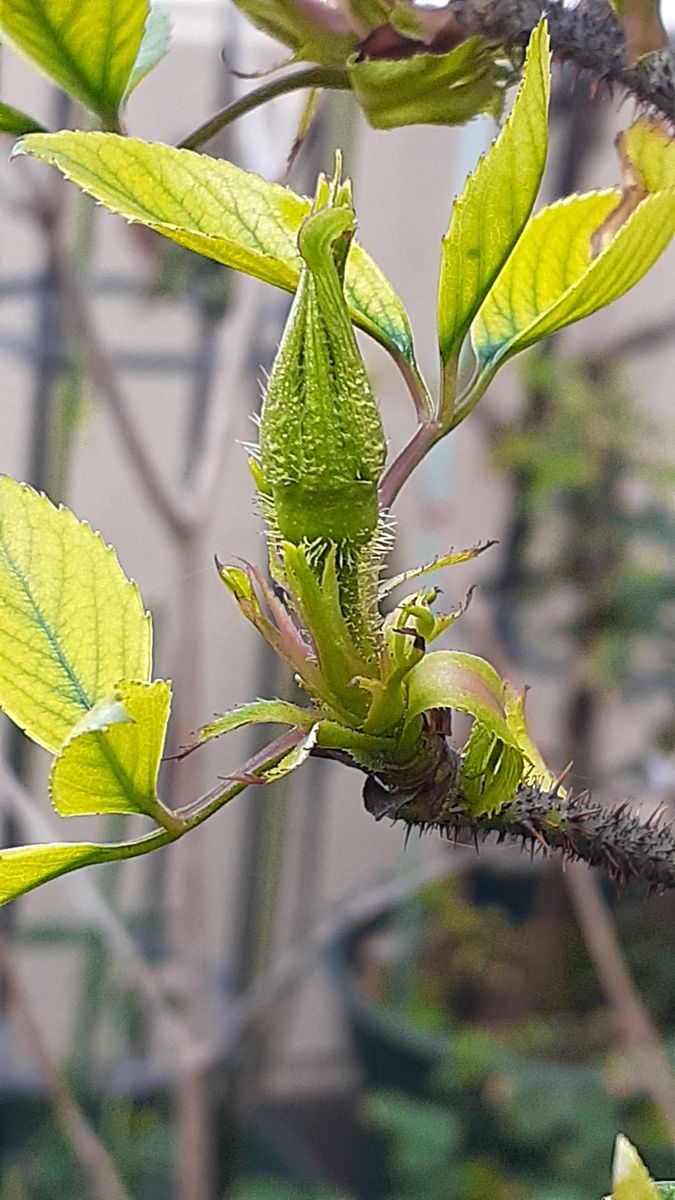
(322, 446)
(321, 440)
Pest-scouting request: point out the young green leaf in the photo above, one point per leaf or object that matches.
(71, 624)
(493, 759)
(453, 679)
(492, 770)
(153, 47)
(428, 89)
(630, 1178)
(23, 868)
(323, 36)
(318, 603)
(109, 763)
(370, 14)
(492, 212)
(536, 770)
(13, 121)
(648, 149)
(438, 564)
(87, 49)
(294, 759)
(551, 280)
(259, 712)
(220, 211)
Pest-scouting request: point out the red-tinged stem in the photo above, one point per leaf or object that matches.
(424, 437)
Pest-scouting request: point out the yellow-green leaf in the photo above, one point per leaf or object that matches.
(220, 211)
(551, 256)
(650, 150)
(23, 868)
(493, 761)
(536, 770)
(452, 679)
(496, 203)
(259, 712)
(88, 48)
(71, 624)
(428, 89)
(324, 39)
(13, 121)
(153, 47)
(109, 763)
(630, 1178)
(551, 279)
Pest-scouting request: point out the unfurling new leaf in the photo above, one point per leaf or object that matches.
(494, 759)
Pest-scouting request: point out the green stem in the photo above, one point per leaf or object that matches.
(200, 810)
(194, 814)
(431, 431)
(416, 385)
(308, 77)
(474, 392)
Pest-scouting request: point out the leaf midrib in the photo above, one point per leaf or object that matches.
(87, 84)
(80, 694)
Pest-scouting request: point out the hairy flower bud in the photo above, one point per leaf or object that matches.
(321, 440)
(322, 446)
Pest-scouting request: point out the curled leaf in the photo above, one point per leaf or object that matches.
(109, 764)
(493, 758)
(428, 89)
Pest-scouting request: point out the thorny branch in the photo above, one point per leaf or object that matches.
(588, 35)
(579, 828)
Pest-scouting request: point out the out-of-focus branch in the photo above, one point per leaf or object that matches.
(234, 342)
(269, 988)
(635, 1027)
(107, 385)
(656, 336)
(180, 508)
(104, 1182)
(279, 85)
